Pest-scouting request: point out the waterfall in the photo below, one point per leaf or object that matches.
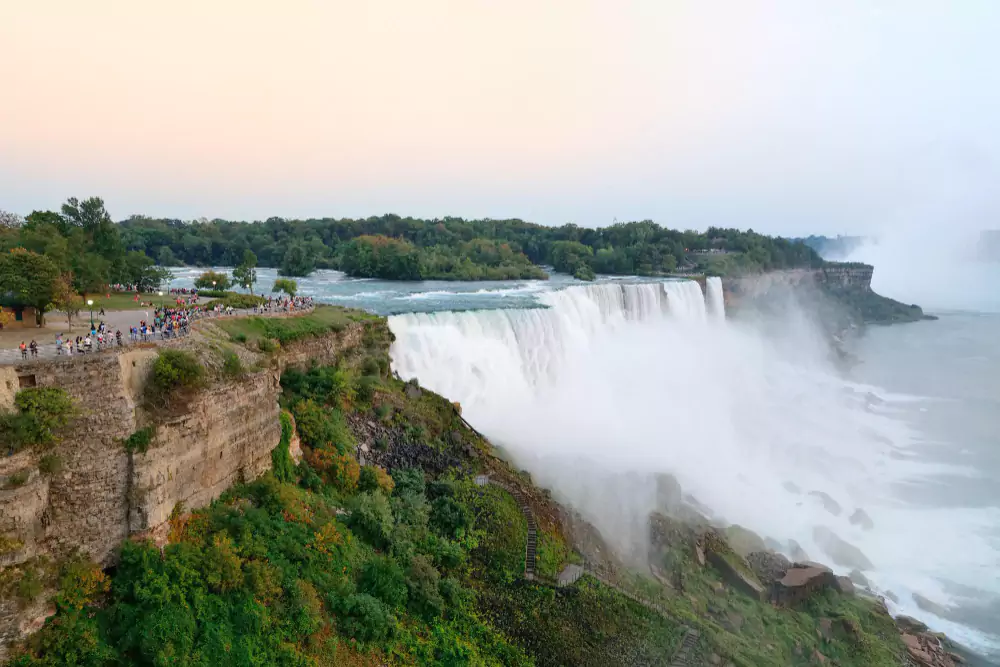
(609, 385)
(470, 355)
(716, 300)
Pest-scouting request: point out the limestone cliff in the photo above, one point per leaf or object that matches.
(842, 294)
(104, 494)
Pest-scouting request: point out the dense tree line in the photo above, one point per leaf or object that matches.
(54, 259)
(391, 246)
(387, 246)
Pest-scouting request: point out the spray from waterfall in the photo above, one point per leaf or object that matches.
(715, 297)
(609, 385)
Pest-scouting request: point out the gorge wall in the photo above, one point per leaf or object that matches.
(836, 278)
(103, 494)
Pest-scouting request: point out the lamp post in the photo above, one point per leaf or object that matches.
(161, 297)
(90, 303)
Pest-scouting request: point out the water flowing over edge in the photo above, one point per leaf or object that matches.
(612, 383)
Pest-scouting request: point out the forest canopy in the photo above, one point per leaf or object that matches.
(387, 246)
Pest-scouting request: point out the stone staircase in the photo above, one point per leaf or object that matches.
(531, 548)
(684, 657)
(685, 654)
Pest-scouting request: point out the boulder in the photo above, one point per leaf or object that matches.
(413, 391)
(910, 625)
(769, 567)
(842, 553)
(743, 540)
(829, 504)
(733, 568)
(859, 579)
(799, 583)
(699, 555)
(844, 586)
(861, 518)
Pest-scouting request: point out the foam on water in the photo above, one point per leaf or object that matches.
(616, 382)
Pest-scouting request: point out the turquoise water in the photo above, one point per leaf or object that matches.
(392, 298)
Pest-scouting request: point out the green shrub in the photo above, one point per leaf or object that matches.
(408, 481)
(584, 272)
(281, 459)
(30, 586)
(449, 517)
(138, 442)
(17, 479)
(365, 388)
(320, 426)
(326, 385)
(42, 412)
(371, 517)
(367, 619)
(50, 464)
(267, 346)
(370, 366)
(286, 285)
(240, 338)
(423, 580)
(213, 293)
(241, 301)
(232, 367)
(382, 577)
(314, 423)
(175, 374)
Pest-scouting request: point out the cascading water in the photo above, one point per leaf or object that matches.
(613, 383)
(716, 300)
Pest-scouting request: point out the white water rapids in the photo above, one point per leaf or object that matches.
(612, 383)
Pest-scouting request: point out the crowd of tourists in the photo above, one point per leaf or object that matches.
(283, 304)
(166, 322)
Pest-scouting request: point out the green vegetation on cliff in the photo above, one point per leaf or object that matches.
(380, 548)
(40, 415)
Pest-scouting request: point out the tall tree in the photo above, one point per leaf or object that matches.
(298, 260)
(286, 285)
(212, 280)
(28, 279)
(246, 273)
(10, 220)
(64, 298)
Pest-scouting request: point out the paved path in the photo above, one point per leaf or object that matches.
(115, 319)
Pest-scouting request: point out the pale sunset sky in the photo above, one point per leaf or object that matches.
(788, 116)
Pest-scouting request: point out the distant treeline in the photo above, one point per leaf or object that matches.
(393, 247)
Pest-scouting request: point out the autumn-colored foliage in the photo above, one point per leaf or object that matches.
(341, 470)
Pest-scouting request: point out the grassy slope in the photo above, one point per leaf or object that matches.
(323, 320)
(279, 571)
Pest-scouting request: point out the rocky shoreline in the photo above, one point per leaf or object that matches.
(754, 566)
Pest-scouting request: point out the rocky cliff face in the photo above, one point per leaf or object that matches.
(104, 494)
(835, 278)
